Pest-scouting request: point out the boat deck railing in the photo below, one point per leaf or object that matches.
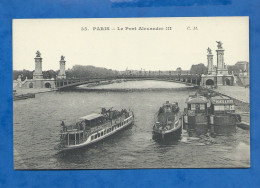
(74, 135)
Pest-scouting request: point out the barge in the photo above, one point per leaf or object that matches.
(195, 116)
(22, 96)
(223, 118)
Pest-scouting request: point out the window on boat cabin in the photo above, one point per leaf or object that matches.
(98, 134)
(92, 137)
(122, 123)
(232, 107)
(105, 131)
(202, 106)
(193, 107)
(95, 136)
(197, 106)
(102, 133)
(219, 108)
(227, 107)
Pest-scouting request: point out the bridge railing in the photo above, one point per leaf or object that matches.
(136, 76)
(188, 79)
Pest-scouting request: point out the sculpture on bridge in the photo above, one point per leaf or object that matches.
(209, 51)
(219, 44)
(38, 54)
(62, 58)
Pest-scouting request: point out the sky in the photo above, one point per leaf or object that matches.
(135, 49)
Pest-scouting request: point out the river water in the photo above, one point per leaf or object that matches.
(37, 127)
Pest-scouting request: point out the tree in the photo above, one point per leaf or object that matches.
(198, 69)
(50, 74)
(179, 70)
(235, 69)
(24, 73)
(79, 71)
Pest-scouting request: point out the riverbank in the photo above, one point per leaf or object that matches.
(20, 91)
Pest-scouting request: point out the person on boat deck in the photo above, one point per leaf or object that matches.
(63, 126)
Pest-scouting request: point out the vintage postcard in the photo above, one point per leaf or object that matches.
(125, 93)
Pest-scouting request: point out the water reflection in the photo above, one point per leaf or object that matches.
(211, 130)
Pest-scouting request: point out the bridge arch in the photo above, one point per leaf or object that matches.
(47, 85)
(209, 82)
(227, 82)
(30, 85)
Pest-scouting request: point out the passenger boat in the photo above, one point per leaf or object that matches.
(168, 124)
(93, 128)
(195, 116)
(222, 114)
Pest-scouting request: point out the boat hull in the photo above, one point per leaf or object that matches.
(23, 96)
(199, 124)
(223, 124)
(223, 120)
(173, 134)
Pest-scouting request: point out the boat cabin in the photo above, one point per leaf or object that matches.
(76, 134)
(169, 107)
(197, 104)
(221, 105)
(92, 120)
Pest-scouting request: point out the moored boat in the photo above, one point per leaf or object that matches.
(222, 115)
(22, 96)
(168, 124)
(195, 116)
(93, 128)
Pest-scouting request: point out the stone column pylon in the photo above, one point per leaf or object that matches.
(210, 62)
(62, 74)
(38, 67)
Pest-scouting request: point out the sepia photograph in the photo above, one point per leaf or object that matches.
(131, 93)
